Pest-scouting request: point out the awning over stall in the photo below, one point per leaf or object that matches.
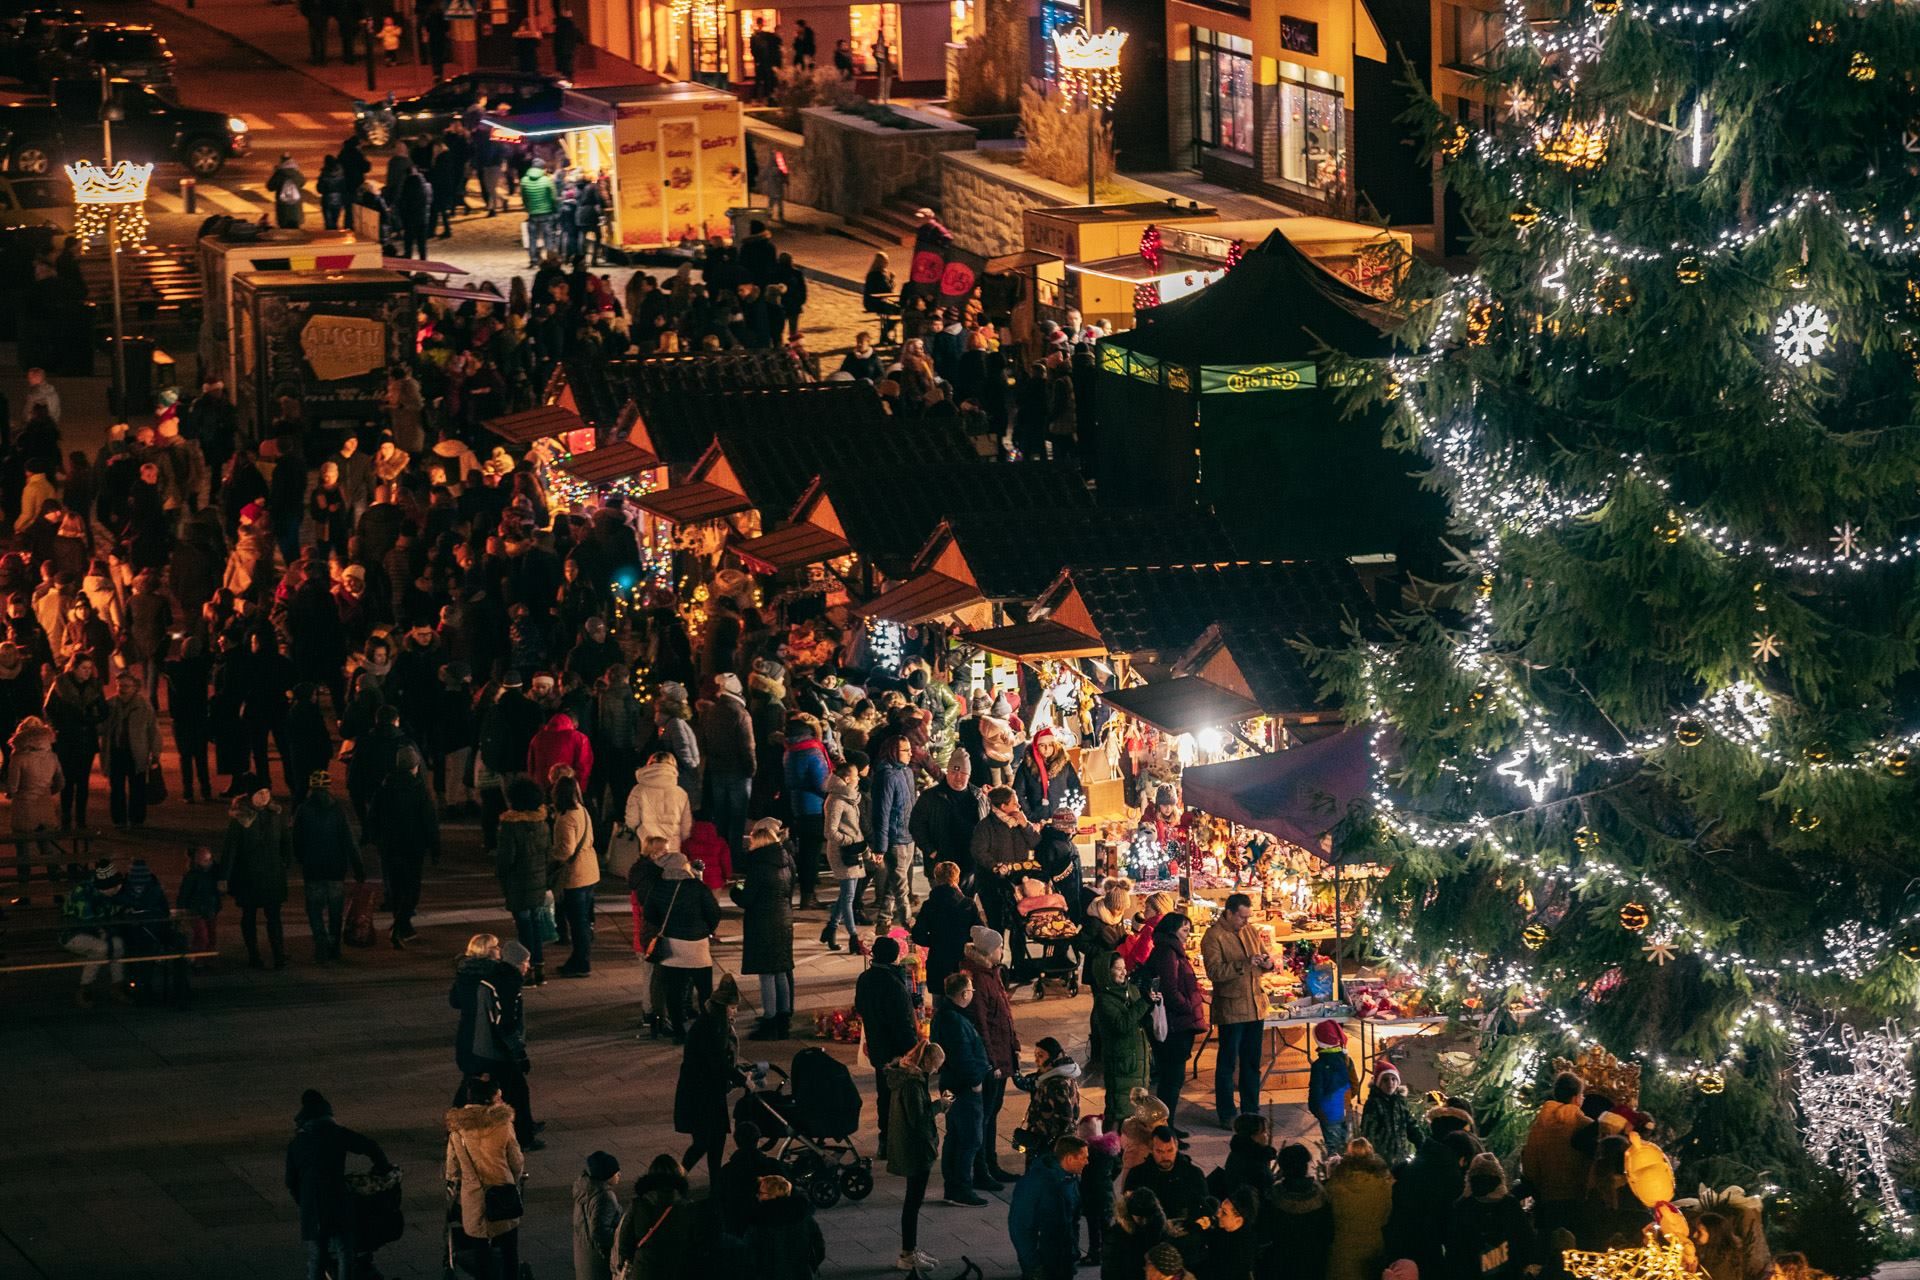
(1184, 704)
(921, 599)
(1036, 640)
(791, 548)
(1298, 795)
(535, 424)
(692, 502)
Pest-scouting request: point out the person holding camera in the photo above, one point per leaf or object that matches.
(1235, 958)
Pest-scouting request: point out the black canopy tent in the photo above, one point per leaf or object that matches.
(1219, 397)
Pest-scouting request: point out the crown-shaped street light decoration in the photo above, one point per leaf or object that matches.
(110, 201)
(1090, 64)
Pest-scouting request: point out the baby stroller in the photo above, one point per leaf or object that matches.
(1050, 933)
(807, 1123)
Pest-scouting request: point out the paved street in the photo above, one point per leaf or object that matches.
(147, 1142)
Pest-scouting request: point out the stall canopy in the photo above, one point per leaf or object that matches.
(1030, 641)
(1185, 704)
(1298, 795)
(1274, 454)
(887, 512)
(709, 491)
(535, 424)
(1157, 611)
(982, 556)
(618, 459)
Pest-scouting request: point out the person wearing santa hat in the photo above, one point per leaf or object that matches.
(1387, 1120)
(1331, 1080)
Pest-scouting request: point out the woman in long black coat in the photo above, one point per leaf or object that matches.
(945, 923)
(766, 942)
(708, 1073)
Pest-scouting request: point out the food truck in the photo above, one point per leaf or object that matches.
(248, 248)
(674, 156)
(326, 339)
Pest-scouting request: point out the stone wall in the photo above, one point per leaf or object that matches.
(765, 139)
(854, 164)
(982, 200)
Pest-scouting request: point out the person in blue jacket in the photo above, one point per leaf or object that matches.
(965, 1070)
(805, 768)
(893, 795)
(1043, 1218)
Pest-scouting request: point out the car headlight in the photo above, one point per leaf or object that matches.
(236, 125)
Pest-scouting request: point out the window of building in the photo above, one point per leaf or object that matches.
(869, 22)
(1468, 36)
(1313, 128)
(1223, 90)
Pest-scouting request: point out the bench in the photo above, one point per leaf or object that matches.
(44, 951)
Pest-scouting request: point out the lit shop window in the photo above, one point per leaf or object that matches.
(1313, 128)
(869, 22)
(1223, 90)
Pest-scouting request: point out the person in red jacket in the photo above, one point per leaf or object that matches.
(992, 1015)
(560, 743)
(706, 847)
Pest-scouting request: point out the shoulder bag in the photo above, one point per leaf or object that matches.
(623, 1267)
(657, 946)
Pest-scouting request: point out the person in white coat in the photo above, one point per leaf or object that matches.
(844, 831)
(657, 806)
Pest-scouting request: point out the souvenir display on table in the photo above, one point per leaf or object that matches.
(839, 1025)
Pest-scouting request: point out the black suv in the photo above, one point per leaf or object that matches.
(37, 136)
(135, 54)
(494, 92)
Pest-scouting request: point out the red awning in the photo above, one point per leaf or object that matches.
(792, 548)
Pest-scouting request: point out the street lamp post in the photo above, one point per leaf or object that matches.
(1090, 69)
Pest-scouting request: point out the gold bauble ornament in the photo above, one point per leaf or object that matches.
(1817, 753)
(1670, 529)
(1574, 144)
(1860, 67)
(1899, 760)
(1525, 216)
(1535, 936)
(1634, 917)
(1906, 944)
(1454, 143)
(1526, 898)
(1710, 1081)
(1759, 597)
(1606, 8)
(1689, 270)
(1586, 838)
(1689, 732)
(1486, 585)
(1822, 32)
(1804, 819)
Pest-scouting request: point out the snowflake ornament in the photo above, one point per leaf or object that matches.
(1845, 540)
(1765, 645)
(1801, 333)
(1659, 951)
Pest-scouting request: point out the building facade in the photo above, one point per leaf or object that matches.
(707, 39)
(1297, 99)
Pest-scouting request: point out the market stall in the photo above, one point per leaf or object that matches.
(1219, 399)
(322, 338)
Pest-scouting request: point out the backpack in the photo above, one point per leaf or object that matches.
(289, 192)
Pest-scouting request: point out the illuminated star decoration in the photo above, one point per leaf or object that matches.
(1766, 646)
(1659, 951)
(1845, 540)
(1655, 1260)
(1532, 768)
(1801, 333)
(1853, 1088)
(1519, 105)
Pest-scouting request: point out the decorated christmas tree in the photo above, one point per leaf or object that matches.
(1648, 773)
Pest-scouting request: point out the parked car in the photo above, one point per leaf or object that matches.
(137, 54)
(36, 202)
(30, 33)
(494, 92)
(35, 137)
